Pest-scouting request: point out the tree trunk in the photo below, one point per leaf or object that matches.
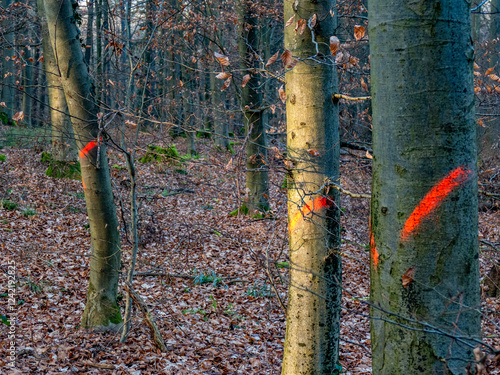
(8, 69)
(313, 312)
(62, 132)
(102, 311)
(257, 170)
(424, 219)
(89, 44)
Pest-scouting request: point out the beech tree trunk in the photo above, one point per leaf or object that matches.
(257, 170)
(313, 311)
(424, 215)
(62, 132)
(8, 69)
(101, 311)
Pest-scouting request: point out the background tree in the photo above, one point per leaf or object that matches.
(257, 174)
(101, 310)
(313, 311)
(424, 269)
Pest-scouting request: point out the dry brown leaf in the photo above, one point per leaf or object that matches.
(18, 116)
(408, 276)
(286, 58)
(223, 75)
(301, 26)
(476, 66)
(272, 59)
(359, 32)
(226, 84)
(334, 45)
(314, 20)
(245, 80)
(314, 152)
(282, 94)
(489, 71)
(364, 85)
(494, 77)
(222, 59)
(290, 21)
(368, 155)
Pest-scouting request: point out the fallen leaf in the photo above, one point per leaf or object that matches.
(245, 80)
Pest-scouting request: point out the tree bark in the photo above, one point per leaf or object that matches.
(313, 311)
(257, 170)
(62, 132)
(424, 219)
(101, 311)
(8, 70)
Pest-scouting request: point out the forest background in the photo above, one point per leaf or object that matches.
(168, 80)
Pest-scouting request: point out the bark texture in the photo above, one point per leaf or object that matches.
(424, 269)
(313, 311)
(101, 311)
(62, 132)
(257, 171)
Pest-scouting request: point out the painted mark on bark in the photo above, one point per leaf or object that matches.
(433, 199)
(373, 247)
(84, 151)
(316, 205)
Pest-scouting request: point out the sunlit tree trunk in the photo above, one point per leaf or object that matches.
(62, 132)
(101, 311)
(313, 311)
(424, 219)
(257, 174)
(8, 68)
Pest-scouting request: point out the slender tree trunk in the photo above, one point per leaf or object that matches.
(257, 175)
(9, 70)
(313, 311)
(28, 89)
(101, 311)
(424, 245)
(62, 132)
(89, 44)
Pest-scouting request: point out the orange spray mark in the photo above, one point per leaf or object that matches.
(373, 247)
(84, 151)
(434, 198)
(317, 204)
(83, 183)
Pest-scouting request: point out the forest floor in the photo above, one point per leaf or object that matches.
(208, 285)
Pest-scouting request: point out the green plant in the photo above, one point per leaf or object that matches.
(61, 169)
(3, 157)
(29, 212)
(229, 310)
(160, 154)
(206, 278)
(5, 320)
(9, 205)
(196, 310)
(257, 290)
(214, 302)
(118, 168)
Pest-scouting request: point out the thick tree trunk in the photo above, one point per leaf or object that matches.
(313, 311)
(257, 175)
(62, 132)
(424, 245)
(102, 311)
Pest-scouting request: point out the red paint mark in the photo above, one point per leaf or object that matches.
(84, 151)
(373, 247)
(434, 198)
(317, 204)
